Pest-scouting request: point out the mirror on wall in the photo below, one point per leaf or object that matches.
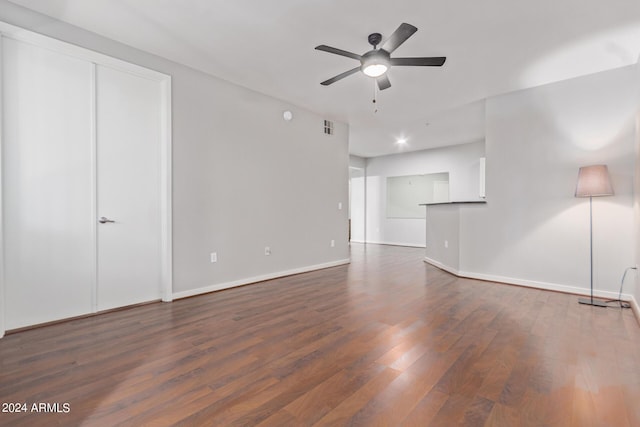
(406, 193)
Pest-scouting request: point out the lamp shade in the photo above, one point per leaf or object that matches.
(594, 181)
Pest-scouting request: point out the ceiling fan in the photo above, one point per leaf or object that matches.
(376, 62)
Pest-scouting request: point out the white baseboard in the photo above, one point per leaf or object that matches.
(441, 266)
(635, 308)
(410, 245)
(356, 241)
(531, 283)
(255, 279)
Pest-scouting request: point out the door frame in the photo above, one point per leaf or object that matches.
(363, 205)
(8, 31)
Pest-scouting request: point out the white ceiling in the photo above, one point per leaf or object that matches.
(492, 47)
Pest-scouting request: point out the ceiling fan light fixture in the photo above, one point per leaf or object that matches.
(375, 63)
(375, 70)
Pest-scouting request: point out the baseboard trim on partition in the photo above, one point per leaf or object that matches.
(441, 266)
(534, 284)
(255, 279)
(409, 245)
(635, 308)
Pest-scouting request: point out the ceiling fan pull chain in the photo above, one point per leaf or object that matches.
(375, 96)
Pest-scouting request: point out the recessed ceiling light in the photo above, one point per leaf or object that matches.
(401, 141)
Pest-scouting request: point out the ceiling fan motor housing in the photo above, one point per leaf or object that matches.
(375, 39)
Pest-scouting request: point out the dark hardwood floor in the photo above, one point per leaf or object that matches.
(387, 341)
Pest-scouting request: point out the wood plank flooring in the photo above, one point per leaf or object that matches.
(385, 341)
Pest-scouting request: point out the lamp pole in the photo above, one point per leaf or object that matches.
(590, 300)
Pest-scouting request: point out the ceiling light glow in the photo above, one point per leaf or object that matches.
(375, 70)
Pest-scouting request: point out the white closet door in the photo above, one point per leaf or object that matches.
(47, 185)
(128, 141)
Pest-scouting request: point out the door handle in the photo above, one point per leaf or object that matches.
(104, 220)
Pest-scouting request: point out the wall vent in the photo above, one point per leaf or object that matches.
(328, 127)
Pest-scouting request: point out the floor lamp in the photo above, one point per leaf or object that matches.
(593, 181)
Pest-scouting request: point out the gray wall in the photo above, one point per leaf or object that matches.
(243, 178)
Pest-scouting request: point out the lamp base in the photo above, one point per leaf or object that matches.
(592, 301)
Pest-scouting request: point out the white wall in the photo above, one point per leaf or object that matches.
(243, 178)
(443, 236)
(357, 162)
(357, 201)
(533, 230)
(461, 161)
(635, 291)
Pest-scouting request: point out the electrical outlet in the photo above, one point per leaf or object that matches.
(446, 243)
(339, 205)
(333, 243)
(214, 257)
(267, 250)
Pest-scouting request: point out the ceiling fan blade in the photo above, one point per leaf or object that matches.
(399, 36)
(383, 82)
(340, 76)
(340, 52)
(435, 61)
